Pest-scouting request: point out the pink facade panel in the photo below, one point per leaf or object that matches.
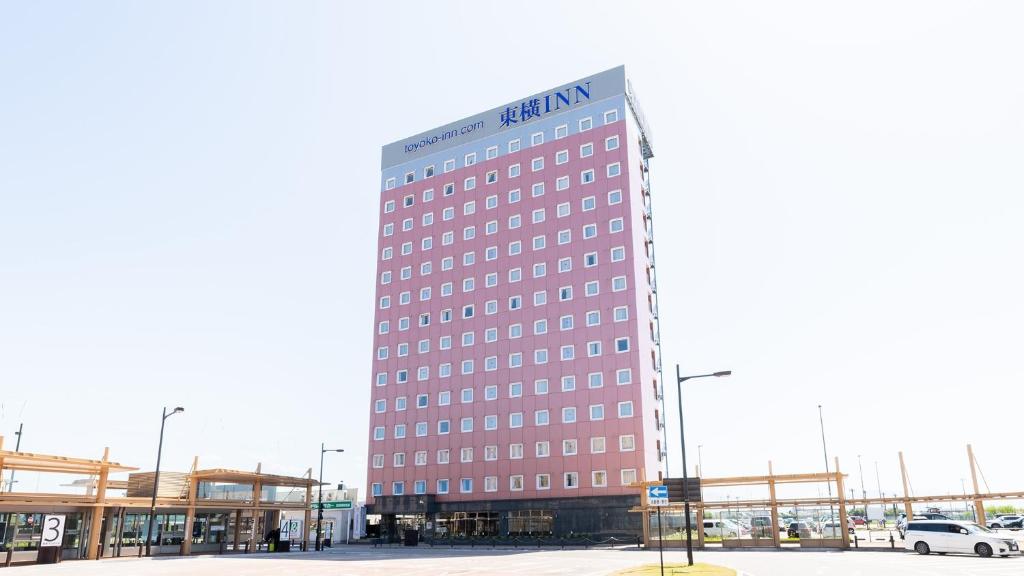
(596, 229)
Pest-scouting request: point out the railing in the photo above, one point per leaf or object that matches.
(516, 542)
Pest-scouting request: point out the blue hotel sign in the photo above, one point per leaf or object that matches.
(535, 107)
(581, 92)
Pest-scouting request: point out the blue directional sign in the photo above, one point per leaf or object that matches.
(657, 495)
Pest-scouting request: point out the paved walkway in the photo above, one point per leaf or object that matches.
(366, 561)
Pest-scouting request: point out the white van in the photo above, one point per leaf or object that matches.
(926, 536)
(724, 528)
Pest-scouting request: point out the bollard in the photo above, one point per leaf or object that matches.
(856, 541)
(892, 541)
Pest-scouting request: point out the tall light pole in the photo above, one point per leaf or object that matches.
(156, 479)
(878, 480)
(320, 494)
(828, 481)
(682, 443)
(863, 492)
(17, 448)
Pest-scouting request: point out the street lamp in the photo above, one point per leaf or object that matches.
(320, 494)
(863, 492)
(682, 442)
(156, 478)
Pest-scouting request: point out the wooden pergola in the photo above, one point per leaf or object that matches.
(771, 480)
(840, 500)
(97, 499)
(29, 462)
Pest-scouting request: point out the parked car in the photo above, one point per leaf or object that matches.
(1004, 519)
(1017, 524)
(833, 529)
(901, 524)
(927, 536)
(723, 528)
(761, 527)
(859, 520)
(800, 530)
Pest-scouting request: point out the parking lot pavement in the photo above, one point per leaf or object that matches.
(366, 561)
(863, 564)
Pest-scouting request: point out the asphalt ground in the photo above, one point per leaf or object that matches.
(368, 561)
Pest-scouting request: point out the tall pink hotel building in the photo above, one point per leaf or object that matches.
(516, 384)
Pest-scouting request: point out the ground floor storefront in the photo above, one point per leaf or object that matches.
(196, 512)
(125, 532)
(595, 517)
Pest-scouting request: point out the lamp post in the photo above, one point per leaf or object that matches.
(863, 492)
(682, 442)
(156, 478)
(320, 494)
(824, 448)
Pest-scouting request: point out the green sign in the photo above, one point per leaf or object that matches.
(337, 505)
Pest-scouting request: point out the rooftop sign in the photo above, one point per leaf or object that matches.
(509, 116)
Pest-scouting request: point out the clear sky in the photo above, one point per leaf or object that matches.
(188, 212)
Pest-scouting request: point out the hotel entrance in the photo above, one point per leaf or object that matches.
(468, 524)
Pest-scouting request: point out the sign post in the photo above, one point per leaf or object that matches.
(53, 530)
(658, 496)
(332, 505)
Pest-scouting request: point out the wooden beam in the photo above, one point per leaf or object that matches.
(778, 478)
(842, 506)
(907, 507)
(979, 505)
(306, 516)
(238, 529)
(95, 538)
(776, 537)
(190, 512)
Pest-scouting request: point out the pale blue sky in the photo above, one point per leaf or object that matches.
(188, 204)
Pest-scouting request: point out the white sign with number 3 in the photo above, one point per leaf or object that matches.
(53, 530)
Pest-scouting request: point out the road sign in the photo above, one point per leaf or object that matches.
(335, 505)
(676, 492)
(657, 495)
(53, 530)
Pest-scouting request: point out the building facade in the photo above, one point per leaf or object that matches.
(516, 373)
